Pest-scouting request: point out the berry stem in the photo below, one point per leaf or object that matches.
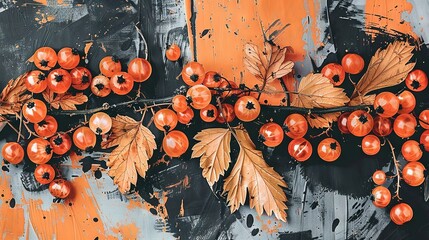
(398, 174)
(325, 132)
(76, 127)
(167, 100)
(20, 126)
(107, 106)
(15, 130)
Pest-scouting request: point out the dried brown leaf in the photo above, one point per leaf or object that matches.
(387, 68)
(214, 149)
(13, 96)
(135, 144)
(363, 100)
(316, 91)
(68, 101)
(48, 95)
(322, 120)
(267, 64)
(253, 62)
(251, 173)
(14, 91)
(121, 125)
(9, 109)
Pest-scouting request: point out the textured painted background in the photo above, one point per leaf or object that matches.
(326, 201)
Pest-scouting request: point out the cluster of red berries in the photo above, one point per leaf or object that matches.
(387, 105)
(202, 85)
(49, 140)
(361, 123)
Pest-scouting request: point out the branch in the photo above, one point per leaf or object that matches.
(398, 176)
(319, 110)
(106, 106)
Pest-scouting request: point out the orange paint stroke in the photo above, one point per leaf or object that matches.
(386, 17)
(269, 226)
(182, 210)
(183, 183)
(129, 231)
(75, 160)
(88, 46)
(232, 24)
(135, 203)
(12, 220)
(43, 2)
(43, 18)
(160, 209)
(76, 218)
(162, 161)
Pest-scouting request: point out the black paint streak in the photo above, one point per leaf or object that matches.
(153, 211)
(204, 33)
(356, 215)
(314, 205)
(29, 182)
(335, 224)
(87, 163)
(372, 222)
(98, 174)
(305, 235)
(192, 21)
(249, 220)
(12, 203)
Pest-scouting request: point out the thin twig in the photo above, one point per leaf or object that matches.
(76, 127)
(107, 106)
(286, 92)
(16, 130)
(318, 110)
(144, 113)
(398, 175)
(31, 132)
(326, 131)
(20, 126)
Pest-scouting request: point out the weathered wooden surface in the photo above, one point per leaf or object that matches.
(326, 201)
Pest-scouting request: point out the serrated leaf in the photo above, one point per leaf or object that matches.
(13, 96)
(252, 174)
(48, 95)
(253, 62)
(14, 91)
(68, 101)
(316, 91)
(121, 125)
(322, 120)
(214, 150)
(363, 100)
(387, 68)
(267, 64)
(134, 147)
